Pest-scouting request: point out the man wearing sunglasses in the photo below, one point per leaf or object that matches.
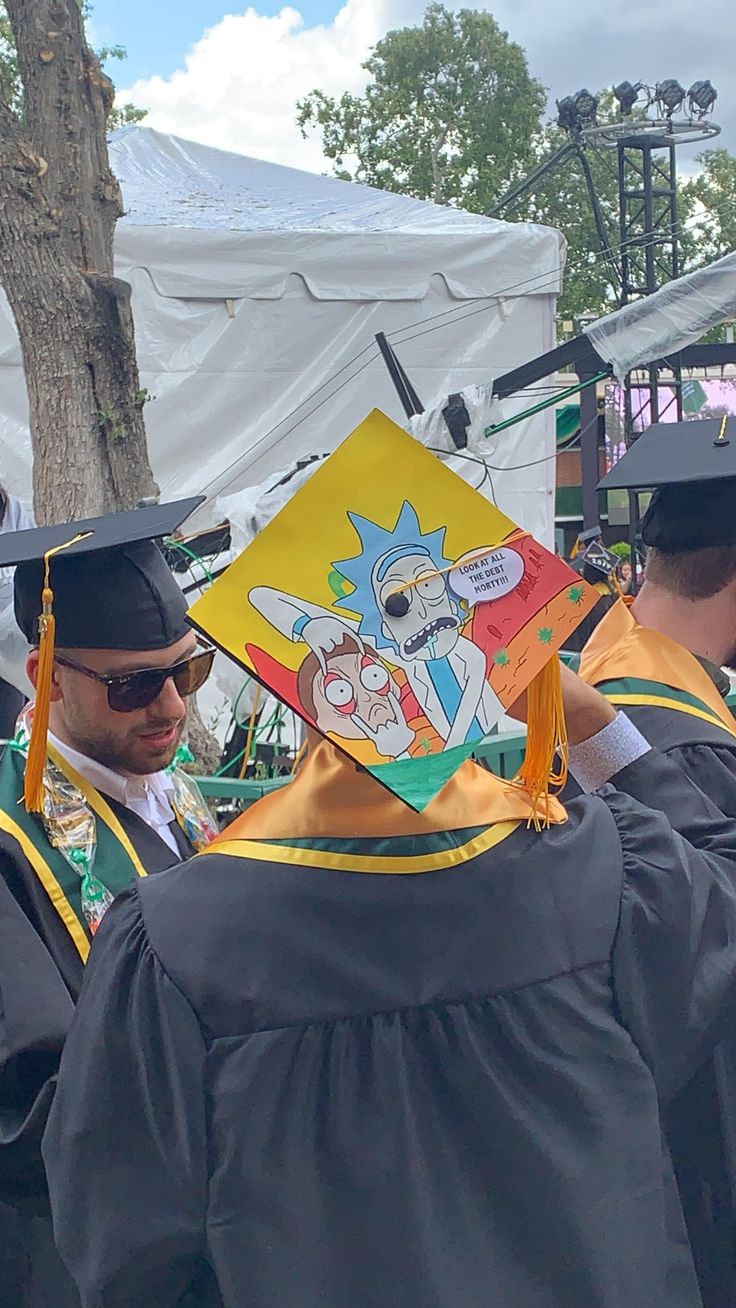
(114, 680)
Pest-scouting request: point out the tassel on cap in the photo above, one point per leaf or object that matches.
(36, 761)
(545, 763)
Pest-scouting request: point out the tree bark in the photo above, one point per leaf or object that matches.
(202, 742)
(437, 173)
(59, 203)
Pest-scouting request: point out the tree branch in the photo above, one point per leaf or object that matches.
(437, 173)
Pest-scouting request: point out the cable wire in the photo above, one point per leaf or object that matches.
(456, 313)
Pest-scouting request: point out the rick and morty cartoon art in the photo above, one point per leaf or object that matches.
(394, 609)
(402, 608)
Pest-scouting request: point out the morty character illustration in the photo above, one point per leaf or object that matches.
(408, 611)
(354, 697)
(364, 706)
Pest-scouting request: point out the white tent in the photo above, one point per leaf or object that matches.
(257, 291)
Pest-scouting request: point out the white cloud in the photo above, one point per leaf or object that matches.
(242, 79)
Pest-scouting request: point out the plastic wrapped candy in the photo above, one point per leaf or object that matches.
(199, 825)
(71, 828)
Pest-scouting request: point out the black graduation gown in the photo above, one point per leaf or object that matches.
(701, 1122)
(40, 976)
(424, 1091)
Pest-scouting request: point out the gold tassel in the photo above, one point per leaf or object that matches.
(545, 762)
(36, 761)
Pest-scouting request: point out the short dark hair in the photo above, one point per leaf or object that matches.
(692, 574)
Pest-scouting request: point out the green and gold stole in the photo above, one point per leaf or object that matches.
(631, 665)
(116, 862)
(335, 815)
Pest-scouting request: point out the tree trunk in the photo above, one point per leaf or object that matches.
(202, 742)
(437, 172)
(59, 203)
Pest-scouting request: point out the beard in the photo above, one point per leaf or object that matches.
(129, 753)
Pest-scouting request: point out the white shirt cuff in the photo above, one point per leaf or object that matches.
(594, 761)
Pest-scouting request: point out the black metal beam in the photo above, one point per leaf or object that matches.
(589, 466)
(578, 355)
(718, 355)
(527, 184)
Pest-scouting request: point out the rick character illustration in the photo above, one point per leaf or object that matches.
(406, 610)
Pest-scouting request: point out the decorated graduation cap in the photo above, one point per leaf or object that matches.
(691, 467)
(399, 613)
(101, 583)
(599, 561)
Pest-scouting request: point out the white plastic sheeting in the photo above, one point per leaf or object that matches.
(250, 509)
(257, 291)
(674, 317)
(507, 467)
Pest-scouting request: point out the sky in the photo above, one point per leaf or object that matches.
(230, 75)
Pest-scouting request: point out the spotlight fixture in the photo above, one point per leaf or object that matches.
(627, 96)
(586, 108)
(670, 95)
(566, 114)
(701, 97)
(577, 111)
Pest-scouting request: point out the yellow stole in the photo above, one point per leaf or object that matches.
(331, 800)
(620, 650)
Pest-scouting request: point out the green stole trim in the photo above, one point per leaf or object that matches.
(112, 865)
(638, 690)
(381, 847)
(433, 851)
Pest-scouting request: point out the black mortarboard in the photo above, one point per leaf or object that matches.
(691, 467)
(112, 589)
(599, 560)
(102, 583)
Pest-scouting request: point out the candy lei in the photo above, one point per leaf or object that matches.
(192, 813)
(71, 826)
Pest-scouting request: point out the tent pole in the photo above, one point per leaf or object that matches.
(410, 401)
(589, 469)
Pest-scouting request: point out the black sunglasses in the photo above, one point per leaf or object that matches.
(136, 690)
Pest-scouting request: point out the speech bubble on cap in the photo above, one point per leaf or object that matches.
(478, 577)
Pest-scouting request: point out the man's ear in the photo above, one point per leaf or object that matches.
(32, 671)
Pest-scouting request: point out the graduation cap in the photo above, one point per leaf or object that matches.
(370, 595)
(596, 556)
(691, 467)
(101, 583)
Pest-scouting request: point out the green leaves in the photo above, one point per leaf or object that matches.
(11, 87)
(711, 200)
(10, 84)
(452, 114)
(449, 114)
